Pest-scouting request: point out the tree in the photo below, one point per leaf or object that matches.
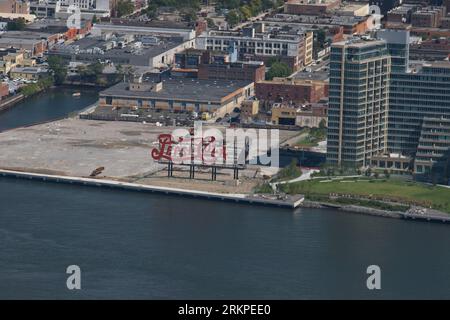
(290, 172)
(190, 15)
(94, 19)
(152, 10)
(57, 66)
(211, 23)
(269, 4)
(233, 18)
(124, 7)
(271, 61)
(278, 69)
(322, 124)
(229, 4)
(119, 69)
(246, 12)
(91, 73)
(16, 25)
(255, 7)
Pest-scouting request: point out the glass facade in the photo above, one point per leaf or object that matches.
(420, 93)
(358, 101)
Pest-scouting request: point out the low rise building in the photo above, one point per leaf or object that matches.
(249, 109)
(290, 45)
(308, 115)
(10, 59)
(15, 6)
(62, 9)
(34, 47)
(250, 71)
(434, 49)
(123, 49)
(350, 24)
(392, 163)
(4, 90)
(401, 14)
(291, 90)
(217, 65)
(284, 114)
(197, 28)
(28, 73)
(58, 28)
(312, 115)
(310, 7)
(100, 29)
(429, 17)
(178, 95)
(357, 9)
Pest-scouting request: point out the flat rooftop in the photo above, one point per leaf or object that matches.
(283, 36)
(137, 56)
(316, 20)
(421, 66)
(18, 41)
(36, 35)
(316, 75)
(151, 24)
(182, 89)
(358, 42)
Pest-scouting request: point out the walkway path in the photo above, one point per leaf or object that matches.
(306, 175)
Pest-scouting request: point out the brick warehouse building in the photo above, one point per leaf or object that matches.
(291, 90)
(252, 71)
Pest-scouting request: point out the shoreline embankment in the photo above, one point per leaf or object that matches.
(410, 214)
(291, 203)
(10, 102)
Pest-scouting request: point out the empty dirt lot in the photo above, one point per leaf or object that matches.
(76, 147)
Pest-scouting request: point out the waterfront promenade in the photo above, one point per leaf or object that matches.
(287, 202)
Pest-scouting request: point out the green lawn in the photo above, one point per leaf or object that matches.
(394, 190)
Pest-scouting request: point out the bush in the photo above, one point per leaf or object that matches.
(34, 88)
(290, 172)
(264, 188)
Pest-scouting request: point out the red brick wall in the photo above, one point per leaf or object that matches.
(39, 48)
(4, 90)
(299, 93)
(209, 71)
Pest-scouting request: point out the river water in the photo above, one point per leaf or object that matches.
(138, 245)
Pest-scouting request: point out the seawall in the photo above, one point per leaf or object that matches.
(239, 198)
